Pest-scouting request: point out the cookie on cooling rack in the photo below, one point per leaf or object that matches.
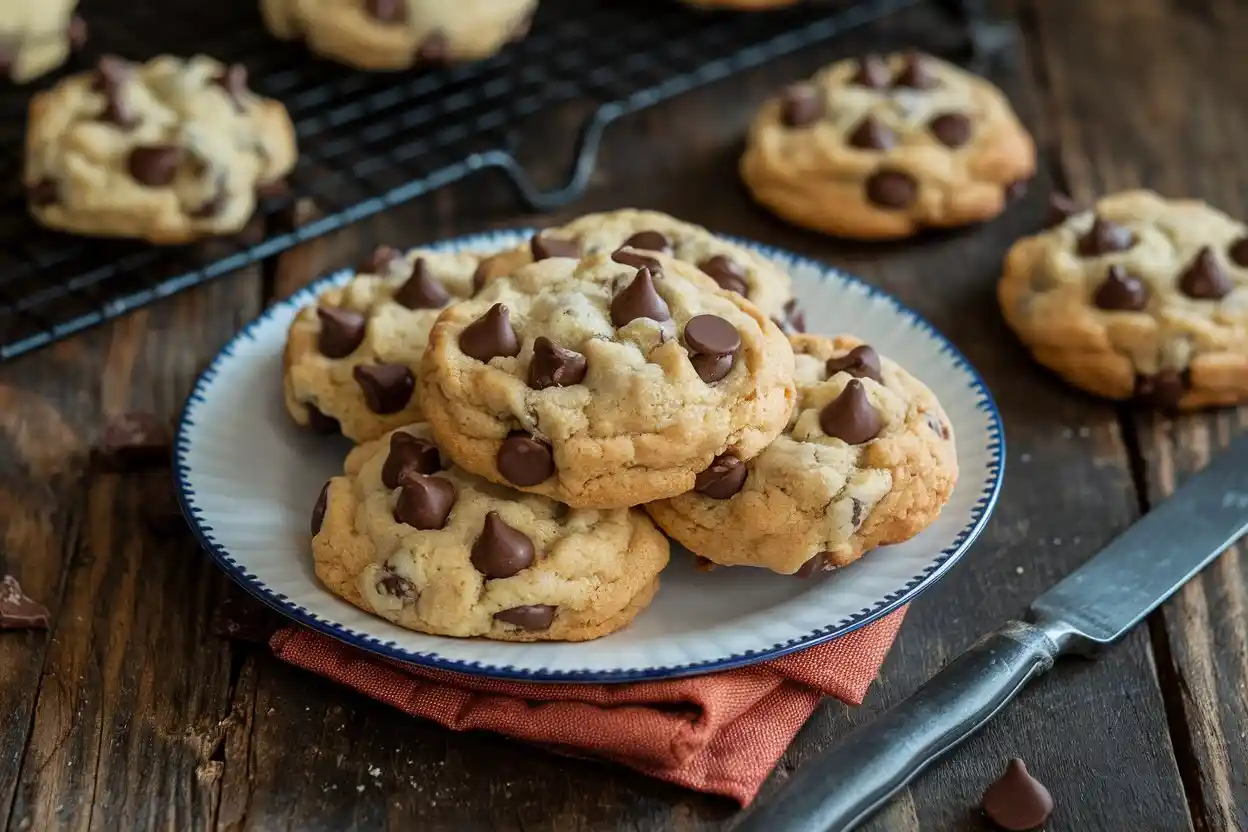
(604, 382)
(1139, 297)
(410, 537)
(866, 460)
(734, 267)
(397, 34)
(36, 36)
(351, 358)
(168, 151)
(884, 147)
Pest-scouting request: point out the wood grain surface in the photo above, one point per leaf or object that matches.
(153, 704)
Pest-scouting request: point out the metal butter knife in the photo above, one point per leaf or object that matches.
(1092, 607)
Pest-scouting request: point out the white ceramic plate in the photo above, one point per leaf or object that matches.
(247, 479)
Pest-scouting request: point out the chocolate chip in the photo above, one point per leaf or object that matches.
(386, 11)
(554, 366)
(1238, 252)
(111, 71)
(1163, 390)
(639, 299)
(855, 511)
(860, 362)
(409, 453)
(154, 165)
(1016, 190)
(480, 275)
(318, 510)
(387, 388)
(892, 188)
(544, 247)
(637, 260)
(872, 73)
(424, 502)
(1121, 291)
(396, 586)
(379, 261)
(77, 33)
(233, 79)
(434, 50)
(650, 241)
(724, 478)
(801, 105)
(813, 566)
(711, 335)
(951, 129)
(501, 551)
(938, 427)
(1204, 278)
(490, 336)
(1061, 208)
(794, 317)
(851, 417)
(421, 291)
(872, 134)
(212, 206)
(1017, 801)
(342, 330)
(135, 441)
(528, 617)
(320, 423)
(111, 79)
(915, 74)
(1104, 237)
(524, 461)
(18, 611)
(43, 193)
(276, 189)
(727, 273)
(711, 368)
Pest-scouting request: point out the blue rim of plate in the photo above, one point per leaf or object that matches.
(940, 564)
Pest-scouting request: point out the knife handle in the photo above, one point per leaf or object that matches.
(846, 783)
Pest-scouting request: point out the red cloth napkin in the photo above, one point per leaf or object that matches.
(720, 733)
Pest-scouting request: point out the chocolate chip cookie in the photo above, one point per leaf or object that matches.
(410, 537)
(36, 36)
(1139, 297)
(867, 459)
(397, 34)
(884, 147)
(733, 267)
(604, 382)
(351, 358)
(168, 151)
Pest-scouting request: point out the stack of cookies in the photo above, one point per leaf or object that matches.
(525, 419)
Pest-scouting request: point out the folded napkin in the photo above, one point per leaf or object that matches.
(720, 733)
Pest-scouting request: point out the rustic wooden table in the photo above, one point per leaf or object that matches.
(133, 713)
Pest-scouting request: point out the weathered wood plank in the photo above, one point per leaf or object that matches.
(1180, 125)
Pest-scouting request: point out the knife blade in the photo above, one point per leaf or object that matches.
(1093, 606)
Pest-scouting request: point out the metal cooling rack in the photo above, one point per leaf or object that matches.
(372, 141)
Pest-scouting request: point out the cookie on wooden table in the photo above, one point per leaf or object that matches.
(734, 267)
(867, 460)
(397, 34)
(884, 147)
(410, 537)
(604, 382)
(1140, 297)
(351, 357)
(36, 36)
(169, 151)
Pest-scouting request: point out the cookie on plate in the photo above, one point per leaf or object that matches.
(1141, 298)
(351, 358)
(168, 151)
(410, 537)
(36, 36)
(732, 266)
(604, 382)
(397, 34)
(867, 459)
(884, 147)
